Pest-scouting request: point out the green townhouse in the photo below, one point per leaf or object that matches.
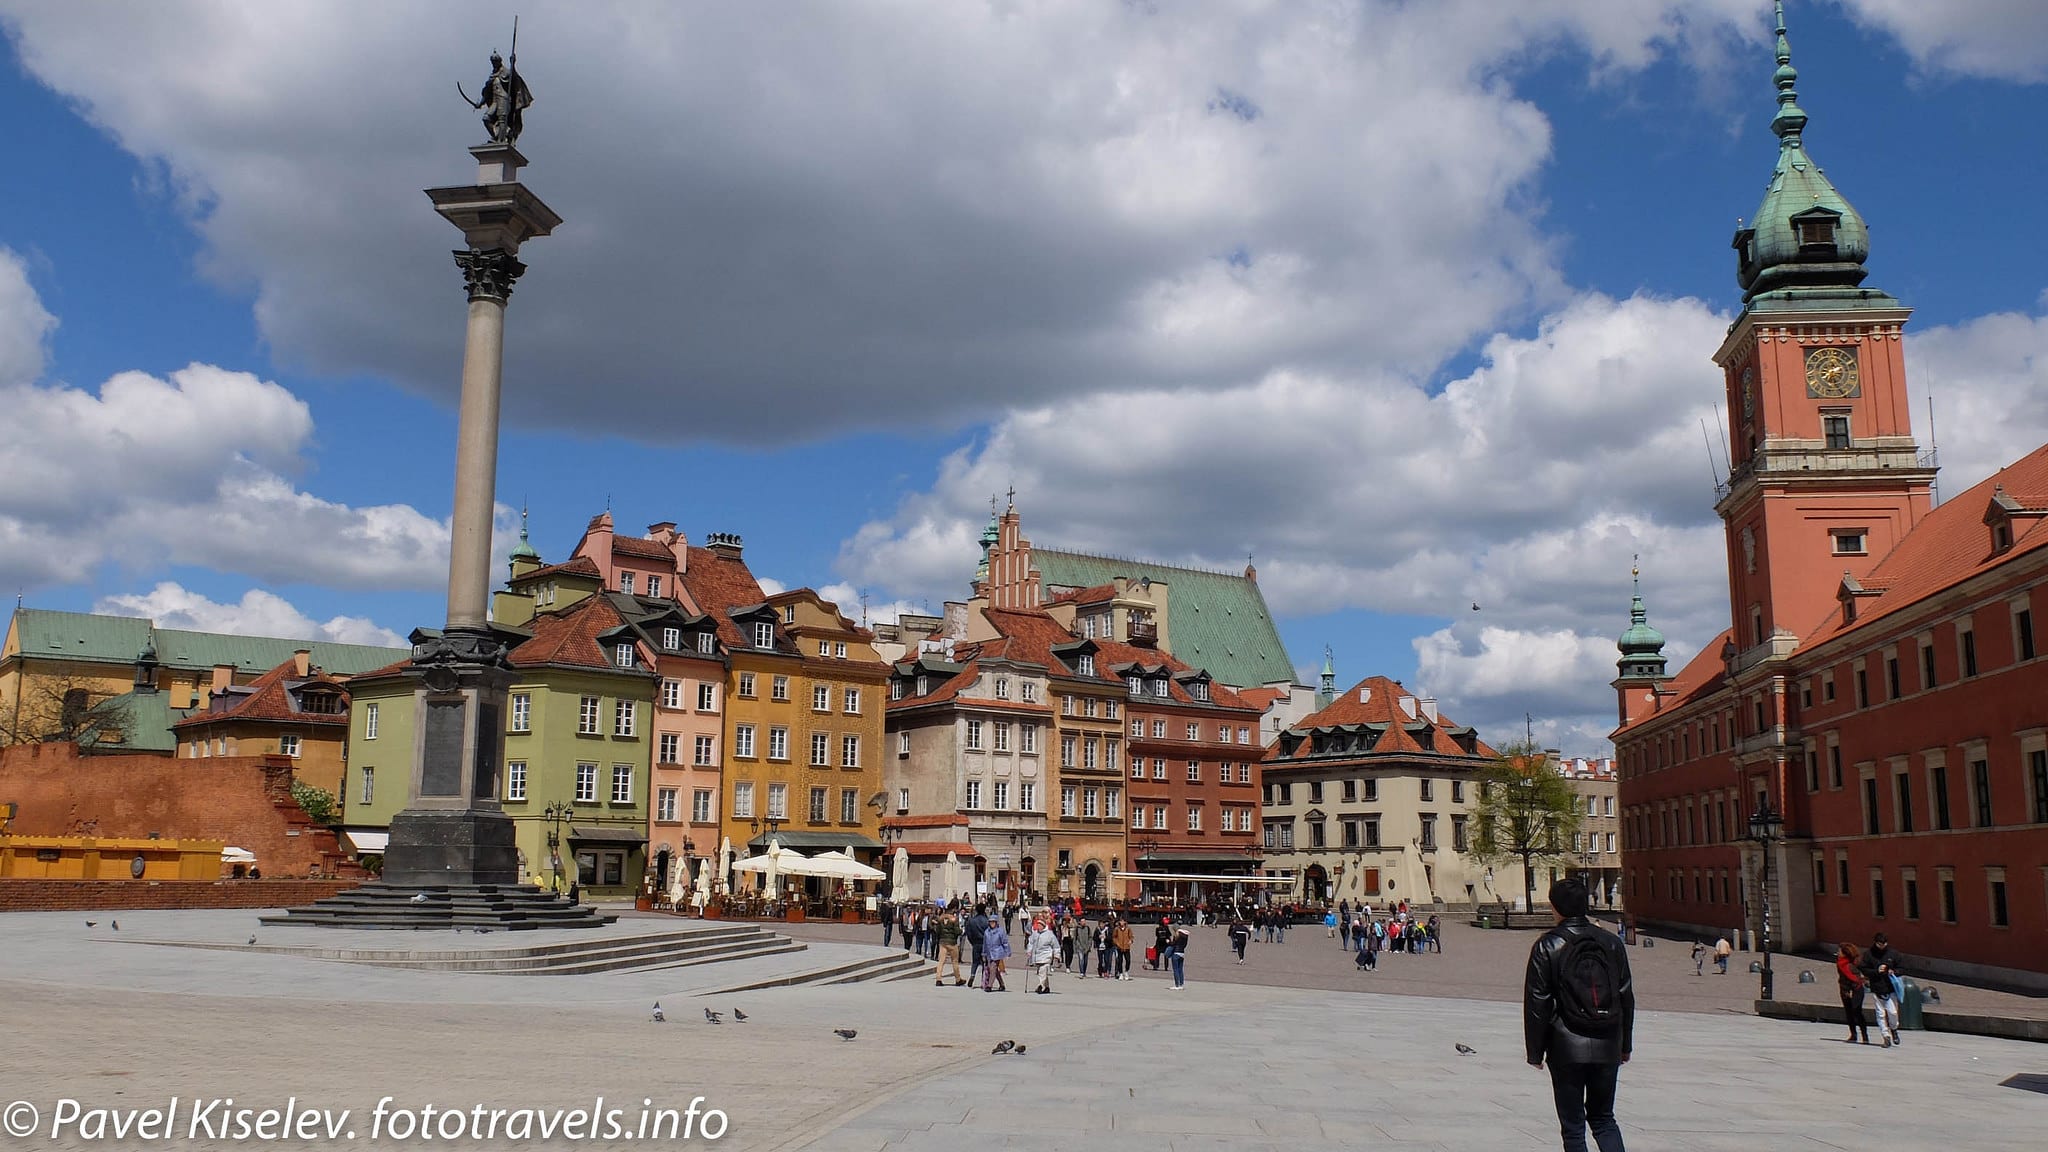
(577, 741)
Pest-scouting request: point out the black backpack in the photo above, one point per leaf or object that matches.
(1588, 987)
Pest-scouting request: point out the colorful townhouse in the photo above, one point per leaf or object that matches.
(577, 750)
(1876, 697)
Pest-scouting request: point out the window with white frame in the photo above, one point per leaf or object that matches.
(665, 805)
(288, 744)
(1159, 729)
(1066, 705)
(1087, 705)
(778, 801)
(903, 800)
(586, 782)
(1135, 683)
(849, 751)
(626, 583)
(1194, 771)
(746, 686)
(1137, 767)
(821, 749)
(515, 779)
(1159, 688)
(839, 649)
(1244, 736)
(671, 748)
(1089, 753)
(974, 794)
(778, 688)
(1244, 772)
(707, 643)
(624, 655)
(821, 698)
(1137, 729)
(1112, 754)
(1159, 817)
(671, 638)
(586, 716)
(819, 798)
(672, 694)
(849, 806)
(850, 701)
(369, 784)
(974, 735)
(1085, 666)
(1067, 799)
(1030, 691)
(1002, 736)
(1027, 797)
(778, 742)
(895, 689)
(1027, 738)
(624, 717)
(1067, 751)
(1091, 802)
(743, 799)
(1194, 732)
(1137, 816)
(370, 719)
(903, 744)
(700, 805)
(1159, 768)
(705, 753)
(824, 648)
(707, 697)
(1113, 803)
(764, 634)
(622, 783)
(1001, 687)
(654, 590)
(1111, 709)
(1001, 793)
(743, 741)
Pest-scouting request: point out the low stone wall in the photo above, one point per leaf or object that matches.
(113, 895)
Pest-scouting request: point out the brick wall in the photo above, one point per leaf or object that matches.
(95, 895)
(244, 801)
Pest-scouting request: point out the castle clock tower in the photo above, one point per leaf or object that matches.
(1825, 476)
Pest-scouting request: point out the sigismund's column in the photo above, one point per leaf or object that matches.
(454, 832)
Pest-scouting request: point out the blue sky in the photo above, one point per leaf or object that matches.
(835, 312)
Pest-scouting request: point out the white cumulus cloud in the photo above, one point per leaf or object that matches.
(257, 613)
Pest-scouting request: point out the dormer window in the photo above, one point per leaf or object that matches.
(2001, 535)
(1137, 684)
(1086, 665)
(924, 685)
(1816, 231)
(1159, 687)
(895, 689)
(626, 583)
(1199, 690)
(625, 654)
(764, 634)
(671, 638)
(707, 643)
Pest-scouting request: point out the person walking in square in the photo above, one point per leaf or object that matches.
(1177, 952)
(1722, 951)
(1578, 1017)
(948, 931)
(1850, 982)
(1042, 948)
(1880, 966)
(1084, 947)
(1240, 935)
(995, 950)
(1699, 958)
(1122, 941)
(1162, 934)
(974, 929)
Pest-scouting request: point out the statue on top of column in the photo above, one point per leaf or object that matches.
(505, 96)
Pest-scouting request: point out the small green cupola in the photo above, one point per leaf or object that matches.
(1328, 695)
(990, 536)
(524, 556)
(1805, 233)
(1642, 647)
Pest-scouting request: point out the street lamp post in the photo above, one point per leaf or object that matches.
(1763, 828)
(556, 815)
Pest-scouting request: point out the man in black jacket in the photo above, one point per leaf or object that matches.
(1578, 1015)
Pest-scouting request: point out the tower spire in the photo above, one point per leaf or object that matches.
(1791, 119)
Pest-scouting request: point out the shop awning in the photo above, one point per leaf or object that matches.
(1196, 855)
(607, 834)
(368, 842)
(812, 841)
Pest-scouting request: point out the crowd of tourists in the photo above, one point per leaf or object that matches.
(1368, 933)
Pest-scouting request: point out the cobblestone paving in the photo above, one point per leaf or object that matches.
(1110, 1065)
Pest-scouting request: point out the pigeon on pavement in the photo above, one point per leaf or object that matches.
(713, 1016)
(845, 1033)
(1466, 1050)
(739, 1016)
(117, 925)
(418, 898)
(92, 923)
(252, 939)
(1005, 1046)
(1017, 1051)
(659, 1017)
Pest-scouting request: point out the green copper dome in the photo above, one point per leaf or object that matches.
(1805, 233)
(524, 550)
(1642, 647)
(990, 537)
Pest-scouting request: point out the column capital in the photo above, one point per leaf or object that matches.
(488, 272)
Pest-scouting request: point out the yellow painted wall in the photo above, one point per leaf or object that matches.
(93, 858)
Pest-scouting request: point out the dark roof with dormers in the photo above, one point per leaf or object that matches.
(277, 696)
(1034, 636)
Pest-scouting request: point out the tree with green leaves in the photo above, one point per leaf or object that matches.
(1527, 811)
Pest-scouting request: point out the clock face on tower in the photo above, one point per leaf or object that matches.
(1831, 373)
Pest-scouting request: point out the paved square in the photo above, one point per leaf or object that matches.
(1110, 1065)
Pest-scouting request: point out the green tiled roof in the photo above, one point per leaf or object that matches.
(146, 719)
(1215, 620)
(119, 639)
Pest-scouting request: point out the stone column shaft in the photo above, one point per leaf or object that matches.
(476, 466)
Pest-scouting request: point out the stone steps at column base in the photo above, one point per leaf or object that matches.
(498, 907)
(881, 969)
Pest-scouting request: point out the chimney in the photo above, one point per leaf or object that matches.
(1364, 695)
(724, 545)
(1408, 706)
(223, 677)
(663, 533)
(302, 662)
(1429, 708)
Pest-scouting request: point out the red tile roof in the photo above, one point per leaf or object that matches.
(268, 697)
(580, 566)
(719, 585)
(644, 549)
(1701, 677)
(1032, 634)
(1260, 698)
(935, 848)
(1381, 706)
(570, 636)
(1094, 595)
(1950, 546)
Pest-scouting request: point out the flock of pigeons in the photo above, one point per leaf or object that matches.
(1006, 1048)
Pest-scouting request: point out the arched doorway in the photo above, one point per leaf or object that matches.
(1027, 869)
(1318, 886)
(1091, 884)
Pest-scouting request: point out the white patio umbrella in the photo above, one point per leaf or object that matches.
(950, 875)
(774, 850)
(704, 885)
(724, 863)
(899, 883)
(678, 880)
(842, 866)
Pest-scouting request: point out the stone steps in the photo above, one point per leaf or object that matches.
(584, 956)
(499, 907)
(876, 969)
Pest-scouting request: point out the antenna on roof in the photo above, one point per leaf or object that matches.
(1713, 469)
(1723, 426)
(1933, 453)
